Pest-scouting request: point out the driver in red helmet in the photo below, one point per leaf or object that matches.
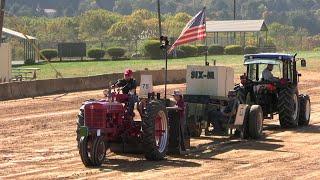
(128, 85)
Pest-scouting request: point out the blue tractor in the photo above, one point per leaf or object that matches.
(271, 81)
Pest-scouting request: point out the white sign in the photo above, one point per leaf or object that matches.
(5, 62)
(210, 80)
(241, 113)
(146, 85)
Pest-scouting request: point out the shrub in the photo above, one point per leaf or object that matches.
(180, 53)
(316, 49)
(269, 47)
(116, 52)
(177, 53)
(49, 53)
(96, 53)
(202, 49)
(151, 49)
(216, 50)
(189, 50)
(250, 50)
(29, 62)
(233, 50)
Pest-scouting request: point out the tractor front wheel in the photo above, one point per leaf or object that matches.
(305, 110)
(255, 122)
(155, 131)
(98, 151)
(84, 151)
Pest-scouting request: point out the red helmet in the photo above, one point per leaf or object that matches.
(128, 72)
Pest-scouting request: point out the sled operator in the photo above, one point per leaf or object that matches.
(267, 74)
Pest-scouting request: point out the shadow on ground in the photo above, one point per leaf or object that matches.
(141, 165)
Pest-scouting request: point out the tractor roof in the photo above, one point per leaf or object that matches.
(269, 56)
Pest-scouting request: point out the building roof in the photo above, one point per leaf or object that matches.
(236, 26)
(16, 34)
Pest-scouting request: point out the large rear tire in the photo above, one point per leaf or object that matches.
(84, 151)
(98, 152)
(288, 106)
(305, 110)
(255, 121)
(195, 129)
(155, 131)
(80, 122)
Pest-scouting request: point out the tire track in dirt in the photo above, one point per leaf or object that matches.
(38, 141)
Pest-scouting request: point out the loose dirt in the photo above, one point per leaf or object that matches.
(37, 141)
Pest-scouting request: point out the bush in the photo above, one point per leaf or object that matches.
(201, 50)
(49, 53)
(116, 52)
(269, 47)
(29, 62)
(233, 50)
(250, 50)
(151, 49)
(316, 49)
(216, 50)
(189, 50)
(96, 53)
(177, 53)
(180, 53)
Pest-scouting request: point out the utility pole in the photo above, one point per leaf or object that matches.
(2, 5)
(164, 47)
(234, 10)
(234, 18)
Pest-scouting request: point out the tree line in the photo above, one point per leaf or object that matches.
(100, 25)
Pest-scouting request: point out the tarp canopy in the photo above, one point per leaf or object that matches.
(236, 26)
(16, 34)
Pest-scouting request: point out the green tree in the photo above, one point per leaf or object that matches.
(94, 24)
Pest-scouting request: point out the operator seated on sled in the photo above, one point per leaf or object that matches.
(267, 74)
(128, 85)
(226, 116)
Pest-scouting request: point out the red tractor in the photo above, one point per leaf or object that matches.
(108, 125)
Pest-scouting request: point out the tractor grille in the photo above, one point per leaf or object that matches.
(95, 118)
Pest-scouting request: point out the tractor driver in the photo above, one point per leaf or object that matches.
(128, 85)
(220, 118)
(267, 73)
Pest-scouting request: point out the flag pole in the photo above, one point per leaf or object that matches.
(206, 42)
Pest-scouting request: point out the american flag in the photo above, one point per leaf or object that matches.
(194, 30)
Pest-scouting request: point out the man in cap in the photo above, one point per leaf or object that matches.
(128, 85)
(177, 95)
(219, 118)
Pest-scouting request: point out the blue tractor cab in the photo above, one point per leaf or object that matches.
(276, 95)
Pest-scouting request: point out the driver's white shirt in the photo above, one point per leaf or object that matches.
(267, 75)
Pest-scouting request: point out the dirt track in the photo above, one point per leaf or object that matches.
(37, 140)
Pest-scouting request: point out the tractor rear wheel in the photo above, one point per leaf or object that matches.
(84, 151)
(98, 152)
(80, 122)
(305, 110)
(255, 121)
(155, 131)
(195, 129)
(288, 107)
